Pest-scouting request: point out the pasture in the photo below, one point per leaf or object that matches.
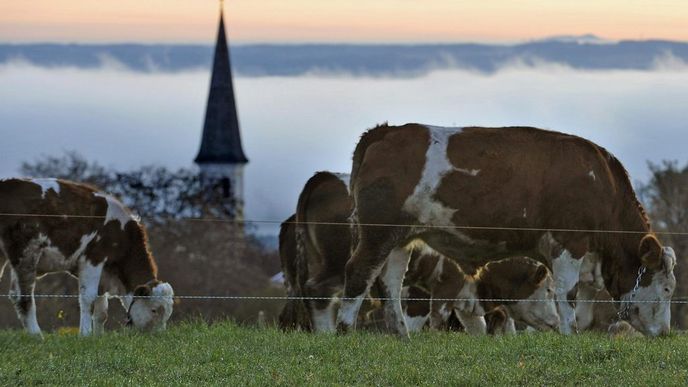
(228, 354)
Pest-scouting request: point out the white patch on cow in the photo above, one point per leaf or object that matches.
(445, 312)
(83, 244)
(469, 172)
(592, 175)
(32, 321)
(416, 324)
(590, 283)
(345, 178)
(151, 313)
(392, 277)
(653, 318)
(413, 323)
(89, 279)
(468, 299)
(539, 310)
(47, 184)
(566, 271)
(525, 212)
(323, 319)
(422, 201)
(116, 211)
(163, 295)
(437, 272)
(473, 324)
(349, 310)
(126, 300)
(163, 290)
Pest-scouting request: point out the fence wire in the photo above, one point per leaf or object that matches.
(348, 224)
(291, 298)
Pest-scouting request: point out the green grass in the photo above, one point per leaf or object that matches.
(195, 353)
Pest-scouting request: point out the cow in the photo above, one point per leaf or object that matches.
(53, 225)
(494, 286)
(480, 193)
(314, 268)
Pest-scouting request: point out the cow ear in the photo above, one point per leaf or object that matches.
(142, 291)
(650, 252)
(540, 274)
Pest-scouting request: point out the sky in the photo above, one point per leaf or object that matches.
(298, 21)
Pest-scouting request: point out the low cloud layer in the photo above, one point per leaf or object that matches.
(294, 126)
(375, 60)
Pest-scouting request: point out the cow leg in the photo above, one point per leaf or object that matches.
(392, 277)
(510, 326)
(439, 312)
(100, 314)
(23, 283)
(566, 271)
(89, 278)
(585, 310)
(590, 282)
(323, 309)
(361, 271)
(474, 325)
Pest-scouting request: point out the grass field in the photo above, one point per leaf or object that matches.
(196, 353)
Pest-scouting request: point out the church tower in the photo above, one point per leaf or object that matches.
(221, 158)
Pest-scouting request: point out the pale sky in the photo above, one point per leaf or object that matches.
(297, 21)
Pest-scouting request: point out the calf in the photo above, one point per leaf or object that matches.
(50, 225)
(495, 285)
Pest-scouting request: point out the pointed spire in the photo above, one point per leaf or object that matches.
(221, 142)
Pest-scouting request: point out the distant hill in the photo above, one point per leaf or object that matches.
(586, 52)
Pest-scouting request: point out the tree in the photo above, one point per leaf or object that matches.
(155, 193)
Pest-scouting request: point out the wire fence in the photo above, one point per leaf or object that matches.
(407, 299)
(682, 300)
(348, 224)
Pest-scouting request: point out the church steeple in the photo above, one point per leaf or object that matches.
(221, 142)
(221, 159)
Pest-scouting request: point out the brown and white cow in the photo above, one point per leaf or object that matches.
(314, 267)
(480, 193)
(494, 285)
(51, 225)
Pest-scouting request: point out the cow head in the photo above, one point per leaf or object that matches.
(152, 306)
(650, 311)
(538, 309)
(524, 279)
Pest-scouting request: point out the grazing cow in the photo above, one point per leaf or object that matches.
(471, 296)
(314, 267)
(481, 193)
(50, 225)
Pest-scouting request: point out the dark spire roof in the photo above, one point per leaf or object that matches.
(221, 142)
